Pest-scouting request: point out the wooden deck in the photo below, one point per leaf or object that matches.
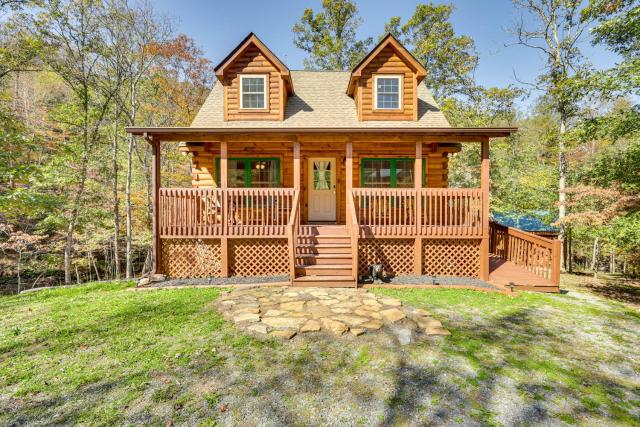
(505, 274)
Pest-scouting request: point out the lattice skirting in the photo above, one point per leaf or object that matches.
(396, 255)
(258, 257)
(191, 258)
(451, 257)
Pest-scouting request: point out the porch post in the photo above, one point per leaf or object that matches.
(296, 165)
(417, 182)
(224, 240)
(348, 166)
(484, 186)
(156, 248)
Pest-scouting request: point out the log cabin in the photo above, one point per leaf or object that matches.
(317, 175)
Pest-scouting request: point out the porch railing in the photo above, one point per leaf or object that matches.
(234, 212)
(442, 212)
(539, 255)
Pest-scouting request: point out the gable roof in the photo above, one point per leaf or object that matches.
(319, 102)
(388, 40)
(252, 39)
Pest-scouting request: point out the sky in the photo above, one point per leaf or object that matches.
(218, 26)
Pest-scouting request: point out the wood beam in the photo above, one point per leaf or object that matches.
(224, 240)
(417, 182)
(297, 178)
(156, 249)
(348, 176)
(484, 186)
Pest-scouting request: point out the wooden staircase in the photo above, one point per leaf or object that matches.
(323, 257)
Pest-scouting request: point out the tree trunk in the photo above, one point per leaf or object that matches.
(562, 183)
(128, 185)
(116, 205)
(594, 257)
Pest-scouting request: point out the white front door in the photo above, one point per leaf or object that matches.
(322, 188)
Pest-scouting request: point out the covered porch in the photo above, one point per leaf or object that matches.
(425, 229)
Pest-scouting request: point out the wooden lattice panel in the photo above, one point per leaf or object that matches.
(451, 257)
(396, 255)
(258, 257)
(191, 258)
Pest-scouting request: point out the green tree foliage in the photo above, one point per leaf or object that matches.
(449, 58)
(329, 36)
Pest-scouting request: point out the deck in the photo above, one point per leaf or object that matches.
(507, 274)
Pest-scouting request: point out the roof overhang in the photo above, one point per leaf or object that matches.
(252, 39)
(181, 134)
(403, 52)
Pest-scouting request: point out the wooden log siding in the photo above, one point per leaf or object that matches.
(233, 212)
(536, 254)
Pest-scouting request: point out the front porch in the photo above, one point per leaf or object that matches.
(417, 227)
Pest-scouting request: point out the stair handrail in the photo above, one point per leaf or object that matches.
(354, 233)
(292, 228)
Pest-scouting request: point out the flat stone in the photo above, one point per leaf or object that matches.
(438, 331)
(339, 310)
(310, 326)
(238, 310)
(286, 334)
(246, 317)
(272, 313)
(372, 324)
(428, 322)
(258, 328)
(333, 326)
(392, 315)
(357, 331)
(372, 303)
(390, 301)
(329, 301)
(350, 320)
(228, 303)
(367, 313)
(283, 322)
(292, 306)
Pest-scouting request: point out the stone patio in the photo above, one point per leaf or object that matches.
(285, 312)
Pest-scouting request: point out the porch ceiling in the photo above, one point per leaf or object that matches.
(181, 134)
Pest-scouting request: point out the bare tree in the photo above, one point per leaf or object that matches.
(556, 30)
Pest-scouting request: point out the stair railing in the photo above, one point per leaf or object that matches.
(292, 233)
(354, 233)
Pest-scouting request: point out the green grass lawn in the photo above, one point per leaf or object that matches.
(99, 354)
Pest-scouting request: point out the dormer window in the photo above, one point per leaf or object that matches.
(388, 92)
(253, 92)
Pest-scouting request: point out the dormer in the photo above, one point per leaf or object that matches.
(256, 83)
(384, 85)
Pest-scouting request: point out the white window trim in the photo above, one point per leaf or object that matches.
(400, 79)
(265, 92)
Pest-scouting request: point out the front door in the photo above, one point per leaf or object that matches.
(322, 188)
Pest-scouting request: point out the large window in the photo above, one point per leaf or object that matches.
(387, 173)
(388, 92)
(253, 92)
(251, 172)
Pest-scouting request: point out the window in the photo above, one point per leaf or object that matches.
(388, 92)
(253, 92)
(251, 172)
(387, 173)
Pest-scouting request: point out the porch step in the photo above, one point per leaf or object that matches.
(324, 269)
(325, 281)
(327, 258)
(323, 230)
(329, 239)
(324, 248)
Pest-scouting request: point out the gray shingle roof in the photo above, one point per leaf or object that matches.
(320, 101)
